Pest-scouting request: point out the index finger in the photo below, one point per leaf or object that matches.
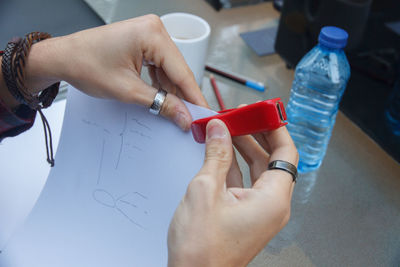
(177, 70)
(180, 74)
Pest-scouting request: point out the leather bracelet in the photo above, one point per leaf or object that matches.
(47, 96)
(6, 66)
(13, 67)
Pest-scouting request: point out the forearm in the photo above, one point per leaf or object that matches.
(40, 72)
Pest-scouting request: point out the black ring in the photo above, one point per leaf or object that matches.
(285, 166)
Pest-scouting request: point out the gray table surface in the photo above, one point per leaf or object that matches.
(345, 214)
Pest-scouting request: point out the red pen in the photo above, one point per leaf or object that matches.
(217, 93)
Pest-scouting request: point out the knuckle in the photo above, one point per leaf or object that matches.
(153, 23)
(172, 106)
(292, 153)
(153, 19)
(201, 183)
(167, 107)
(219, 153)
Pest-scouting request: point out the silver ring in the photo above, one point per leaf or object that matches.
(285, 166)
(158, 101)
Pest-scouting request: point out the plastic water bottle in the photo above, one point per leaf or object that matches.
(320, 80)
(392, 111)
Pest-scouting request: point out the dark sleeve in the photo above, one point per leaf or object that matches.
(14, 123)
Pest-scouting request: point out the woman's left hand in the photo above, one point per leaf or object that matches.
(107, 62)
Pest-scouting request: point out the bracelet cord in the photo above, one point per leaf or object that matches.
(13, 67)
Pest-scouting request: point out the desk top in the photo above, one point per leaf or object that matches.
(345, 214)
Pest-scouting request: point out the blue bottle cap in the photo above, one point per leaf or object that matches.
(333, 37)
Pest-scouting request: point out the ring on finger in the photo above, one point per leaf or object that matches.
(158, 101)
(284, 166)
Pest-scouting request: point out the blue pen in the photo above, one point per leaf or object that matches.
(259, 86)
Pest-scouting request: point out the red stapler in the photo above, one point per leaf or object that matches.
(258, 117)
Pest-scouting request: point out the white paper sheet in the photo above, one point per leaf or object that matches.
(20, 187)
(120, 174)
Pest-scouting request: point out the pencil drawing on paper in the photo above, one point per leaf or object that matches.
(131, 205)
(141, 130)
(127, 205)
(140, 133)
(129, 145)
(122, 139)
(96, 125)
(141, 124)
(101, 162)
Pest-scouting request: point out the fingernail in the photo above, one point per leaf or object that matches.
(181, 120)
(215, 129)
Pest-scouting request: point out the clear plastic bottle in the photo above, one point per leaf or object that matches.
(320, 80)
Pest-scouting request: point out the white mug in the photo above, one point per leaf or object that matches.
(191, 35)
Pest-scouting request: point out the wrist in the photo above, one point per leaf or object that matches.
(43, 65)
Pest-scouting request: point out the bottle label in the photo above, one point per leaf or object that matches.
(334, 68)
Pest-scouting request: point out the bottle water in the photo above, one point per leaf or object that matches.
(392, 111)
(320, 80)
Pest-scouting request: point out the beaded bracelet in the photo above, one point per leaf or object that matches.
(13, 67)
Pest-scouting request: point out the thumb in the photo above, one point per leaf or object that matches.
(219, 151)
